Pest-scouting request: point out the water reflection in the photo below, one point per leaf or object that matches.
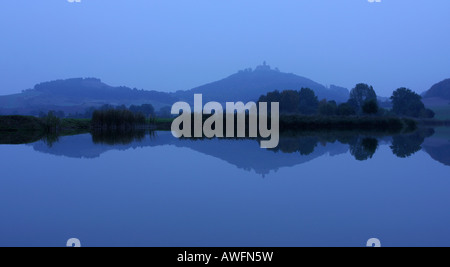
(119, 137)
(293, 149)
(438, 145)
(363, 148)
(404, 146)
(50, 139)
(291, 144)
(164, 191)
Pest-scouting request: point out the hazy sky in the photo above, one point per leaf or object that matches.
(170, 45)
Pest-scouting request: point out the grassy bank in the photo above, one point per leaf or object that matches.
(30, 123)
(75, 126)
(442, 112)
(29, 129)
(23, 123)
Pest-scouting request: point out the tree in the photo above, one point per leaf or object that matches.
(51, 122)
(116, 119)
(360, 94)
(289, 101)
(60, 114)
(309, 103)
(274, 96)
(165, 112)
(427, 113)
(370, 107)
(146, 109)
(327, 108)
(408, 103)
(345, 109)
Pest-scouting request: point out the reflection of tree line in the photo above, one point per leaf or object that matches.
(362, 147)
(121, 137)
(404, 146)
(107, 137)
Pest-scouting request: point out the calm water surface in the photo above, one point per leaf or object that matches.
(155, 190)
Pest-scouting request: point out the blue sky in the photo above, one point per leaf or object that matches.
(172, 45)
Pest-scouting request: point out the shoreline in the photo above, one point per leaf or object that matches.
(15, 123)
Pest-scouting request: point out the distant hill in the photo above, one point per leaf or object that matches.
(439, 90)
(249, 85)
(438, 99)
(75, 95)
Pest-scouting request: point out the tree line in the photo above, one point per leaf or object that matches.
(363, 101)
(117, 119)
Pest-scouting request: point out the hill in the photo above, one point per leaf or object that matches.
(75, 95)
(437, 98)
(439, 90)
(249, 85)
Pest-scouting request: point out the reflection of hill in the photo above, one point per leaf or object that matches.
(438, 146)
(82, 146)
(247, 154)
(244, 154)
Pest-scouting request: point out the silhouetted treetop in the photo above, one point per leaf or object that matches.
(360, 94)
(408, 103)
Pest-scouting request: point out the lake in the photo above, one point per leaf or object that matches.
(329, 189)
